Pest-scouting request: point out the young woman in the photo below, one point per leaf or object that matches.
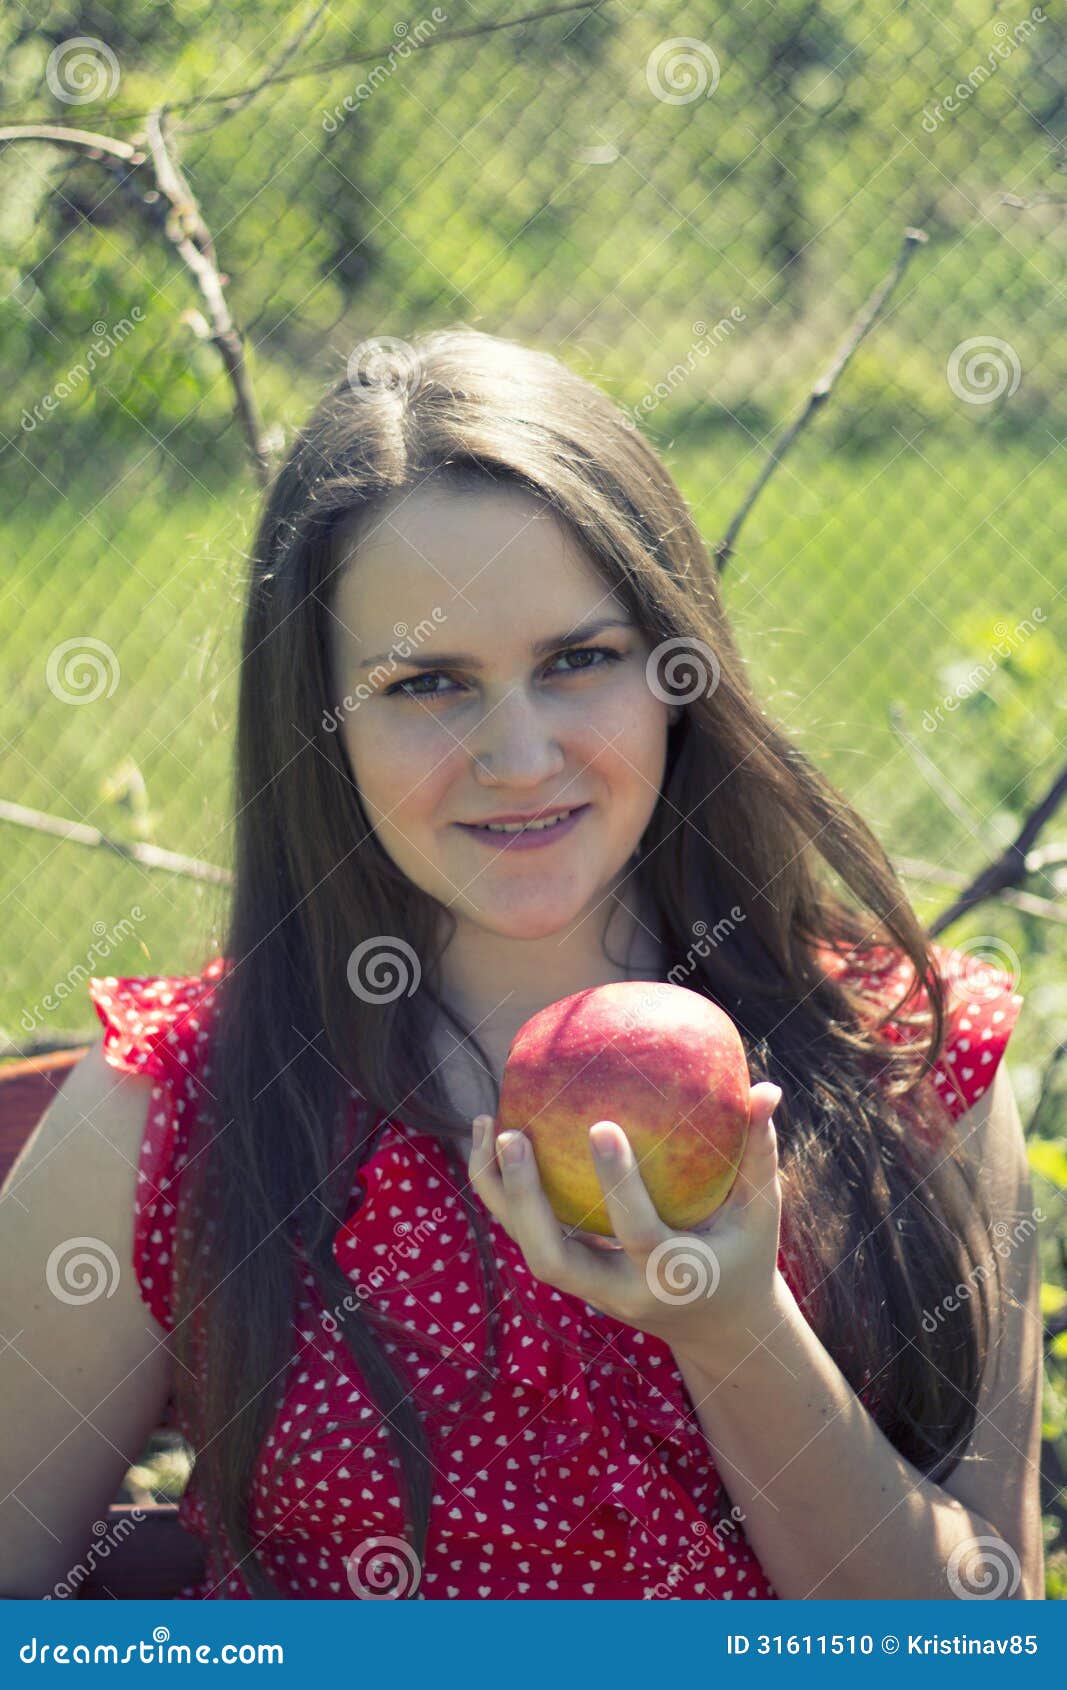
(476, 596)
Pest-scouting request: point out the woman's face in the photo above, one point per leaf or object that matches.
(498, 725)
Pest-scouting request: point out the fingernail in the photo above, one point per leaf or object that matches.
(512, 1148)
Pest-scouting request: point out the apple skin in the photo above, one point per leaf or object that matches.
(665, 1063)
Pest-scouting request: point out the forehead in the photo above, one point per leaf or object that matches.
(487, 557)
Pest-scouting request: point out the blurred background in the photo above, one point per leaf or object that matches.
(695, 214)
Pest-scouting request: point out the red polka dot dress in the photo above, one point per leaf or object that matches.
(580, 1470)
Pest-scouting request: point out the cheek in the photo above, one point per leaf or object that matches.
(628, 731)
(400, 766)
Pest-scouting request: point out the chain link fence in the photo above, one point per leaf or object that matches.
(696, 222)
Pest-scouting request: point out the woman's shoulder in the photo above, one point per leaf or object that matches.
(982, 1005)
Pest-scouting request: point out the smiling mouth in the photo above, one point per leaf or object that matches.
(504, 832)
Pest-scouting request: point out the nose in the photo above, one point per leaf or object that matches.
(515, 744)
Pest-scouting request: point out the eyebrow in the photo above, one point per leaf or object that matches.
(459, 660)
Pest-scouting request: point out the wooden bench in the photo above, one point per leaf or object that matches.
(150, 1556)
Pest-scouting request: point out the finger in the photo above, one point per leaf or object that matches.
(484, 1171)
(634, 1219)
(537, 1230)
(757, 1174)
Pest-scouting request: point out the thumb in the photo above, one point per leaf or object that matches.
(758, 1168)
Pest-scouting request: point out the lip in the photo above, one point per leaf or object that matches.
(524, 815)
(526, 841)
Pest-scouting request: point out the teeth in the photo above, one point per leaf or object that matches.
(527, 827)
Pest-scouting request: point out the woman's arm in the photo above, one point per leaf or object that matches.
(830, 1508)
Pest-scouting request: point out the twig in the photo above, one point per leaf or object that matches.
(85, 139)
(186, 228)
(821, 390)
(79, 833)
(1010, 867)
(239, 101)
(243, 94)
(915, 869)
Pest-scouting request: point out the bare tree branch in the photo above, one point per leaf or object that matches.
(79, 833)
(821, 391)
(240, 96)
(186, 228)
(1010, 867)
(914, 868)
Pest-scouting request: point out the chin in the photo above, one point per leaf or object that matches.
(533, 923)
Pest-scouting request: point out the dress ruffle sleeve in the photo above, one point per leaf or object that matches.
(982, 1007)
(159, 1026)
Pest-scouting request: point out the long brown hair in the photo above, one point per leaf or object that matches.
(878, 1215)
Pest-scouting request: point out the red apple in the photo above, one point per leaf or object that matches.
(665, 1063)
